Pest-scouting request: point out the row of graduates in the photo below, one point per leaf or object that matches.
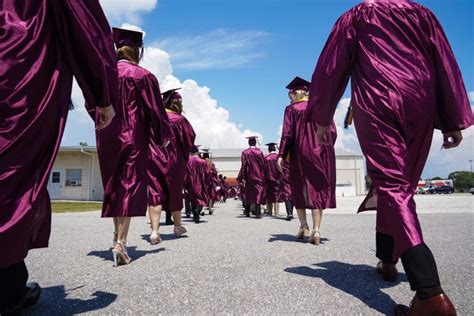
(405, 83)
(143, 140)
(263, 182)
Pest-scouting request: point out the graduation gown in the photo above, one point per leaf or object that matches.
(196, 181)
(178, 155)
(272, 181)
(128, 147)
(44, 44)
(284, 188)
(405, 82)
(312, 165)
(253, 173)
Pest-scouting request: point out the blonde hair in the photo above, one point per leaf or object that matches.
(298, 95)
(175, 106)
(133, 54)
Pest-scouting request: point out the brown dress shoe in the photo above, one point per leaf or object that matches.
(439, 305)
(388, 271)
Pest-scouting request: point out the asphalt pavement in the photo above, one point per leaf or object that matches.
(230, 264)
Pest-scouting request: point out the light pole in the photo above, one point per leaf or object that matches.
(470, 161)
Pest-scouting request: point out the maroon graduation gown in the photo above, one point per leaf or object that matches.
(272, 181)
(253, 172)
(312, 165)
(284, 189)
(178, 155)
(44, 44)
(131, 143)
(405, 82)
(196, 181)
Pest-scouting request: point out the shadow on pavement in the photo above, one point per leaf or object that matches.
(291, 238)
(54, 301)
(164, 237)
(360, 281)
(132, 252)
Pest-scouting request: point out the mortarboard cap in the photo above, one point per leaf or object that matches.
(269, 144)
(170, 95)
(252, 137)
(298, 84)
(195, 148)
(123, 37)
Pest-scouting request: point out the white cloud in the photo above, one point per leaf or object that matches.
(346, 138)
(471, 97)
(211, 122)
(219, 49)
(441, 162)
(118, 11)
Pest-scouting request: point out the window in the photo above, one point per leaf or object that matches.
(73, 177)
(56, 177)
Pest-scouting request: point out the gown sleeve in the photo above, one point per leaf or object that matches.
(332, 72)
(87, 38)
(453, 109)
(188, 137)
(287, 134)
(160, 127)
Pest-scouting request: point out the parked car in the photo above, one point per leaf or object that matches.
(471, 190)
(421, 191)
(445, 189)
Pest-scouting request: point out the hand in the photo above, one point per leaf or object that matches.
(452, 139)
(105, 117)
(323, 134)
(280, 164)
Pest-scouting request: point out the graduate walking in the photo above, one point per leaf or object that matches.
(405, 83)
(312, 164)
(252, 175)
(127, 147)
(43, 45)
(173, 159)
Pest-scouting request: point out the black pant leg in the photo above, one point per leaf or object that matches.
(420, 267)
(12, 284)
(247, 209)
(384, 247)
(289, 208)
(258, 210)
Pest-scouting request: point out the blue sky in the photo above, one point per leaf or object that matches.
(246, 52)
(295, 34)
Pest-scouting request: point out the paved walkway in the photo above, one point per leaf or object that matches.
(234, 265)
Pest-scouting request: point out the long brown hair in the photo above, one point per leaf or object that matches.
(133, 54)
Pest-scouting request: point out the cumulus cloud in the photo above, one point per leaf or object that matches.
(212, 122)
(346, 138)
(219, 49)
(127, 10)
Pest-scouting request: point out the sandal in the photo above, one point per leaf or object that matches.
(315, 238)
(302, 232)
(155, 238)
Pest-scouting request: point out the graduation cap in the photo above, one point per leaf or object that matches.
(195, 148)
(271, 146)
(170, 95)
(252, 137)
(298, 84)
(123, 37)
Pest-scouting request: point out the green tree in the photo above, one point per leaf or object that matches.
(463, 180)
(83, 144)
(436, 178)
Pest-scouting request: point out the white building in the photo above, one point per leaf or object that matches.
(76, 173)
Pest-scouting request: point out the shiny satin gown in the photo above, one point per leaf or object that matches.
(272, 181)
(43, 45)
(405, 82)
(130, 144)
(253, 172)
(312, 165)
